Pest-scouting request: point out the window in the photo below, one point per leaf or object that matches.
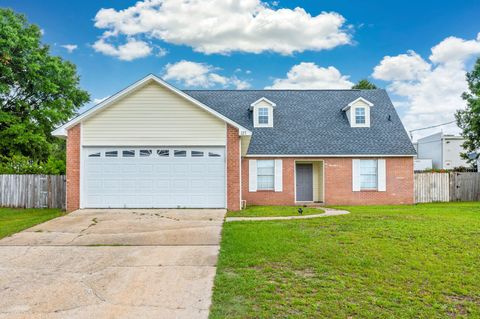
(178, 153)
(197, 154)
(265, 175)
(368, 174)
(163, 153)
(263, 115)
(212, 154)
(128, 153)
(97, 154)
(360, 115)
(145, 153)
(111, 154)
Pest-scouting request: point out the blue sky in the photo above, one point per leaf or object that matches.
(323, 44)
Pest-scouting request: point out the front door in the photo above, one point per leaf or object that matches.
(304, 182)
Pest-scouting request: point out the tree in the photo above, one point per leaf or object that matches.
(468, 119)
(364, 85)
(37, 91)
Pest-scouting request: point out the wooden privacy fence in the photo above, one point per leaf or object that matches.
(447, 187)
(33, 191)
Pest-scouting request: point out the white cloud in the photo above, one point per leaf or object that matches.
(193, 74)
(219, 26)
(307, 75)
(408, 66)
(99, 100)
(429, 91)
(455, 50)
(240, 84)
(129, 51)
(70, 47)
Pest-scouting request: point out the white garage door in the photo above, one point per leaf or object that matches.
(148, 177)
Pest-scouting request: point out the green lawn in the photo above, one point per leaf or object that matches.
(256, 211)
(13, 220)
(377, 262)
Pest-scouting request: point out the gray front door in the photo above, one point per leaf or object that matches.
(304, 182)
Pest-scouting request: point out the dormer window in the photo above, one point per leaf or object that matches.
(359, 115)
(262, 110)
(358, 112)
(262, 115)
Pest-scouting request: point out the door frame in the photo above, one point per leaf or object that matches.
(300, 161)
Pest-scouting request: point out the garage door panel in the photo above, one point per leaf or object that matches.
(213, 201)
(95, 168)
(95, 200)
(145, 184)
(179, 185)
(145, 168)
(180, 169)
(162, 168)
(130, 168)
(151, 180)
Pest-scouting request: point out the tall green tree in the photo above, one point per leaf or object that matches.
(38, 91)
(364, 85)
(468, 119)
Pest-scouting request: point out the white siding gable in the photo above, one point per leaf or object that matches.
(153, 115)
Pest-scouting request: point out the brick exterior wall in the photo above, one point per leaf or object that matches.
(287, 197)
(233, 168)
(338, 184)
(73, 168)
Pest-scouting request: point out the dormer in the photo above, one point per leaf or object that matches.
(358, 112)
(262, 110)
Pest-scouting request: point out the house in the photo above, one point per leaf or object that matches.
(443, 149)
(152, 145)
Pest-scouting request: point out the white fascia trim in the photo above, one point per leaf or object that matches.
(264, 99)
(62, 130)
(360, 99)
(347, 155)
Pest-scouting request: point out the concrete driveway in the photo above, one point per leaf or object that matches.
(112, 264)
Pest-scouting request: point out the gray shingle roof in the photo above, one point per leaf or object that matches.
(311, 122)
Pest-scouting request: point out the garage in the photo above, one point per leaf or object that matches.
(153, 177)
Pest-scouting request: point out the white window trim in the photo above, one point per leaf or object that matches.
(354, 118)
(381, 176)
(376, 176)
(260, 109)
(278, 176)
(272, 188)
(256, 115)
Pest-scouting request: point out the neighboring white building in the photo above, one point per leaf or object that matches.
(443, 149)
(422, 164)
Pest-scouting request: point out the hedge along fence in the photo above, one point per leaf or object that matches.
(33, 191)
(447, 187)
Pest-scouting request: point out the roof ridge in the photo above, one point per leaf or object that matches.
(277, 90)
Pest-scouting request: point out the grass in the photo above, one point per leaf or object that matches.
(418, 261)
(269, 211)
(13, 220)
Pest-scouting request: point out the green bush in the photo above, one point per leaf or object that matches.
(23, 165)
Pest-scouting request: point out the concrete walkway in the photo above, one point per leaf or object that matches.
(327, 212)
(112, 264)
